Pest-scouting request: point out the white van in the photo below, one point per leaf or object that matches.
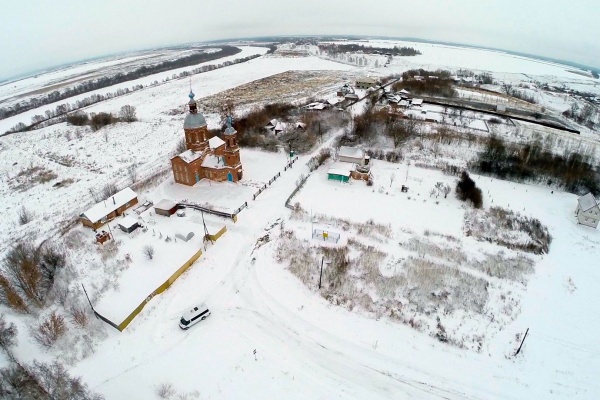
(195, 315)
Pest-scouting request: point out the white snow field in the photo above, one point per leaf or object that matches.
(270, 336)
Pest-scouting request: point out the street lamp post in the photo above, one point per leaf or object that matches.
(321, 274)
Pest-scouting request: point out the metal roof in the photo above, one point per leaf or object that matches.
(102, 209)
(193, 121)
(586, 202)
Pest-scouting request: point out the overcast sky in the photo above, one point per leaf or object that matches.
(36, 34)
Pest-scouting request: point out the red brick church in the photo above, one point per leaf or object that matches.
(217, 158)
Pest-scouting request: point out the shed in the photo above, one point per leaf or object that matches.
(128, 224)
(588, 211)
(417, 102)
(338, 175)
(165, 207)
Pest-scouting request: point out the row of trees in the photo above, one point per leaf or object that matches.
(50, 115)
(120, 77)
(38, 380)
(587, 115)
(359, 48)
(96, 121)
(434, 83)
(573, 171)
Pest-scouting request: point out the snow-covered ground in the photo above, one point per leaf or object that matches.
(269, 335)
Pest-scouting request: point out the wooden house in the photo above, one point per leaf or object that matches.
(109, 209)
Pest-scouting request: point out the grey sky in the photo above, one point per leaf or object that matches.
(35, 34)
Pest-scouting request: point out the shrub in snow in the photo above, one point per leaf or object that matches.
(10, 297)
(8, 334)
(49, 330)
(165, 390)
(466, 189)
(148, 252)
(25, 216)
(79, 315)
(31, 269)
(509, 229)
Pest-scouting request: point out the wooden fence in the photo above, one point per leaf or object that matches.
(157, 291)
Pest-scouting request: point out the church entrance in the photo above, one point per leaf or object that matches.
(197, 177)
(229, 177)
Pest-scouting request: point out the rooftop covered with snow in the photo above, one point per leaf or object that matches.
(586, 202)
(104, 208)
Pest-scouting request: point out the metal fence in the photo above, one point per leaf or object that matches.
(326, 236)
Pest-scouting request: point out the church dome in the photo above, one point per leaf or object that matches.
(193, 121)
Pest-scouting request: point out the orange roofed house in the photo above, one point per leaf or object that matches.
(217, 159)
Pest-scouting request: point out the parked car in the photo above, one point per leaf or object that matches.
(195, 315)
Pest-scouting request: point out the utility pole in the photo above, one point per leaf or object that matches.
(321, 274)
(320, 133)
(522, 341)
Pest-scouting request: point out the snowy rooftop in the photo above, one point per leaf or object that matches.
(128, 222)
(190, 155)
(345, 167)
(366, 80)
(165, 204)
(354, 152)
(417, 102)
(586, 202)
(102, 209)
(213, 161)
(215, 142)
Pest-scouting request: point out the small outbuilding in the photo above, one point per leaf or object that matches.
(165, 207)
(129, 224)
(588, 211)
(338, 175)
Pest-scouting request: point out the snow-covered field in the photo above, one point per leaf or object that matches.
(270, 335)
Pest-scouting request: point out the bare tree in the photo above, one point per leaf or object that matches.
(109, 190)
(392, 178)
(225, 109)
(128, 114)
(25, 216)
(132, 172)
(8, 334)
(180, 147)
(507, 88)
(148, 252)
(10, 297)
(58, 384)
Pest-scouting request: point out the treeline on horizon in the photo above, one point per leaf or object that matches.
(353, 48)
(106, 81)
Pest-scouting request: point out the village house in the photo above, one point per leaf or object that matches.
(344, 90)
(352, 155)
(366, 83)
(215, 158)
(109, 209)
(588, 211)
